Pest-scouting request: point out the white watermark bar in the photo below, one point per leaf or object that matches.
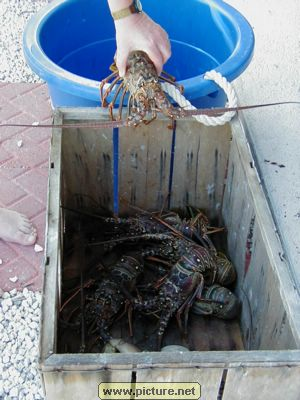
(149, 391)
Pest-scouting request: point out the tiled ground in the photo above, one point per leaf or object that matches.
(23, 177)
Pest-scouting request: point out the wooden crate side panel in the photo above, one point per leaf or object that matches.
(257, 285)
(239, 219)
(270, 327)
(87, 168)
(171, 360)
(274, 383)
(238, 212)
(80, 385)
(264, 320)
(77, 372)
(53, 244)
(200, 162)
(144, 166)
(208, 378)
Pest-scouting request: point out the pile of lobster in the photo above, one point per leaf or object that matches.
(159, 265)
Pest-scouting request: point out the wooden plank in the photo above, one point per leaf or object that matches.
(274, 383)
(144, 166)
(87, 168)
(80, 385)
(264, 285)
(192, 359)
(238, 213)
(208, 378)
(237, 210)
(52, 262)
(200, 162)
(270, 324)
(211, 334)
(80, 114)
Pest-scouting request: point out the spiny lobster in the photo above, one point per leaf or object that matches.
(196, 228)
(111, 294)
(146, 96)
(194, 268)
(217, 301)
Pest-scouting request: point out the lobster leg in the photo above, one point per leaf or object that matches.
(153, 117)
(129, 314)
(121, 103)
(109, 90)
(197, 294)
(179, 87)
(199, 218)
(127, 310)
(169, 76)
(164, 320)
(106, 80)
(112, 103)
(129, 105)
(103, 330)
(185, 307)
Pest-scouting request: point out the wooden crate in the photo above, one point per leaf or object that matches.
(211, 168)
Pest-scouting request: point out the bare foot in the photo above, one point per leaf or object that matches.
(15, 227)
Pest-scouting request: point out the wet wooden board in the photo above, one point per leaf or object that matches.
(208, 378)
(201, 155)
(68, 385)
(88, 168)
(261, 269)
(277, 383)
(212, 334)
(144, 166)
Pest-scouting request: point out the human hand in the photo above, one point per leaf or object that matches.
(140, 32)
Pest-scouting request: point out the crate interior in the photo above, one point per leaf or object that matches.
(162, 167)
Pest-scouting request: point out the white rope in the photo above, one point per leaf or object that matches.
(175, 94)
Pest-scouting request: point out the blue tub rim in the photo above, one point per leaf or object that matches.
(79, 86)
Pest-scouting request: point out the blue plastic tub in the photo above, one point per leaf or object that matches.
(71, 43)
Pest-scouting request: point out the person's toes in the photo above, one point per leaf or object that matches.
(24, 219)
(27, 232)
(26, 227)
(31, 239)
(26, 238)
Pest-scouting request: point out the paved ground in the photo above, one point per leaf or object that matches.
(23, 177)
